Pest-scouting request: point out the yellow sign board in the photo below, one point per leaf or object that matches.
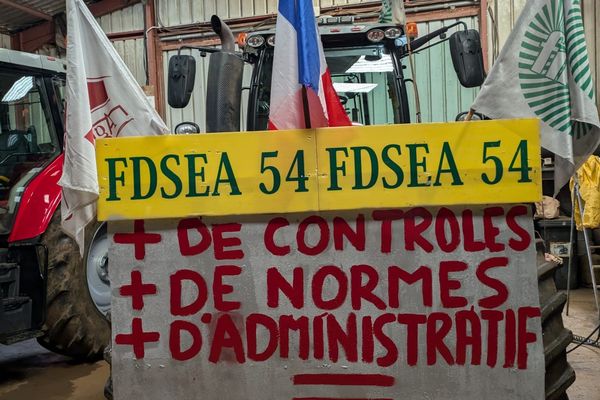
(321, 169)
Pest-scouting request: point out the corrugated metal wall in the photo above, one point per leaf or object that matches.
(128, 19)
(131, 50)
(442, 98)
(178, 12)
(504, 14)
(133, 53)
(4, 41)
(441, 95)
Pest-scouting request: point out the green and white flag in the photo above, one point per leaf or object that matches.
(543, 71)
(392, 11)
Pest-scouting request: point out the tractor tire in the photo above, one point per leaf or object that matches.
(74, 327)
(559, 374)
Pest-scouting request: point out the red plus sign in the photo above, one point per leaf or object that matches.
(139, 238)
(137, 338)
(137, 290)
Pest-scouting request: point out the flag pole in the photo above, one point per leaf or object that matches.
(470, 115)
(307, 124)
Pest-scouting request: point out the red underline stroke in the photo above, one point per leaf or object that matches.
(344, 379)
(338, 398)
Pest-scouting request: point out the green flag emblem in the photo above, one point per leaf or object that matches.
(552, 57)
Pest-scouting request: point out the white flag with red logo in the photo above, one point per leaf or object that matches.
(103, 100)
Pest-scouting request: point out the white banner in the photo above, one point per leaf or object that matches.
(434, 303)
(103, 100)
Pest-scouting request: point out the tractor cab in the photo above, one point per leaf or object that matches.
(31, 127)
(30, 124)
(48, 290)
(366, 62)
(360, 59)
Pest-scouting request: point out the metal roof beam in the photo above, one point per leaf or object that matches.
(104, 7)
(27, 9)
(33, 38)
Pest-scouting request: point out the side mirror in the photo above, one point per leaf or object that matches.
(182, 75)
(467, 57)
(475, 117)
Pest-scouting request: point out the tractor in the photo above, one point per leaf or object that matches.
(47, 290)
(367, 63)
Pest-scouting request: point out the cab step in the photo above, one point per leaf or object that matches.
(15, 314)
(9, 280)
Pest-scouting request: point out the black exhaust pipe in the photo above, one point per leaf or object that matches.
(224, 86)
(222, 29)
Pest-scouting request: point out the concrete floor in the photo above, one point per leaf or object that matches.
(585, 360)
(27, 371)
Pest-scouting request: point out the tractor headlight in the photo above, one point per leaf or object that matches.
(375, 35)
(463, 116)
(255, 41)
(392, 33)
(186, 128)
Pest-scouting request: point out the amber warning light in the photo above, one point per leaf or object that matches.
(411, 29)
(241, 39)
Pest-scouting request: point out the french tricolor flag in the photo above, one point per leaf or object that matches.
(301, 83)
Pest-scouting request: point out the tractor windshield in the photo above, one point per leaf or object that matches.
(364, 81)
(27, 137)
(363, 77)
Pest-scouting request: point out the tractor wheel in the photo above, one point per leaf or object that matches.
(78, 293)
(556, 338)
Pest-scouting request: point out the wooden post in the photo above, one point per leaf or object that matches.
(152, 56)
(306, 108)
(470, 115)
(483, 33)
